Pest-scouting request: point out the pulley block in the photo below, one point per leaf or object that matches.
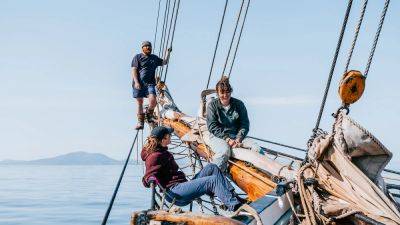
(351, 87)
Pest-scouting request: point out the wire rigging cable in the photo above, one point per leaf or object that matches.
(240, 36)
(216, 44)
(166, 10)
(233, 37)
(328, 84)
(172, 38)
(162, 53)
(104, 222)
(169, 25)
(158, 15)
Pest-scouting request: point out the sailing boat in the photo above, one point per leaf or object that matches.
(339, 181)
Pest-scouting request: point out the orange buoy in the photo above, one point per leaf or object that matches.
(351, 87)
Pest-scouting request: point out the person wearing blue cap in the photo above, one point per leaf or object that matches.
(144, 66)
(162, 168)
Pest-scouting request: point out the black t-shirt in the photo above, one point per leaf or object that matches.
(146, 66)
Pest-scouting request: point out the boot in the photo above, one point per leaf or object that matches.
(140, 124)
(150, 116)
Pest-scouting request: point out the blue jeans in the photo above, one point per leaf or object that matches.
(209, 180)
(222, 151)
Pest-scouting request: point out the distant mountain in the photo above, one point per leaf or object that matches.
(74, 158)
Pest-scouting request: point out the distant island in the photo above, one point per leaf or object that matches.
(73, 158)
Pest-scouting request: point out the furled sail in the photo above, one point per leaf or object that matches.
(347, 165)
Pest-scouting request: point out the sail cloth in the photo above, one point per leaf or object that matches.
(348, 165)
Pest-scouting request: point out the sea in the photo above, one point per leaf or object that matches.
(65, 195)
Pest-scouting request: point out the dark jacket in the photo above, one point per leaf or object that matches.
(233, 123)
(161, 165)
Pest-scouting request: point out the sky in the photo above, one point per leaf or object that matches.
(65, 70)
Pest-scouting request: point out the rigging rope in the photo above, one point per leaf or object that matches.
(104, 222)
(356, 32)
(172, 38)
(233, 38)
(276, 143)
(164, 27)
(158, 15)
(216, 45)
(240, 35)
(378, 32)
(328, 84)
(169, 25)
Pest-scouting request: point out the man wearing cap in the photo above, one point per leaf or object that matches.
(143, 71)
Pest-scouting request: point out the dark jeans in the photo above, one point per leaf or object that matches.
(144, 92)
(209, 180)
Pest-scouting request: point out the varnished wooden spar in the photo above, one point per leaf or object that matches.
(184, 218)
(252, 181)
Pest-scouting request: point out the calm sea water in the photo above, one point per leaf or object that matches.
(65, 195)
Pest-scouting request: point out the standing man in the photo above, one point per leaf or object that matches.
(228, 124)
(143, 72)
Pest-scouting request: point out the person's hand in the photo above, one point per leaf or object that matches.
(238, 143)
(231, 142)
(238, 140)
(137, 86)
(169, 49)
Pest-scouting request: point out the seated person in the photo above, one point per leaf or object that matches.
(161, 165)
(228, 124)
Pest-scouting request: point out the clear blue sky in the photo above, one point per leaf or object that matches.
(65, 82)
